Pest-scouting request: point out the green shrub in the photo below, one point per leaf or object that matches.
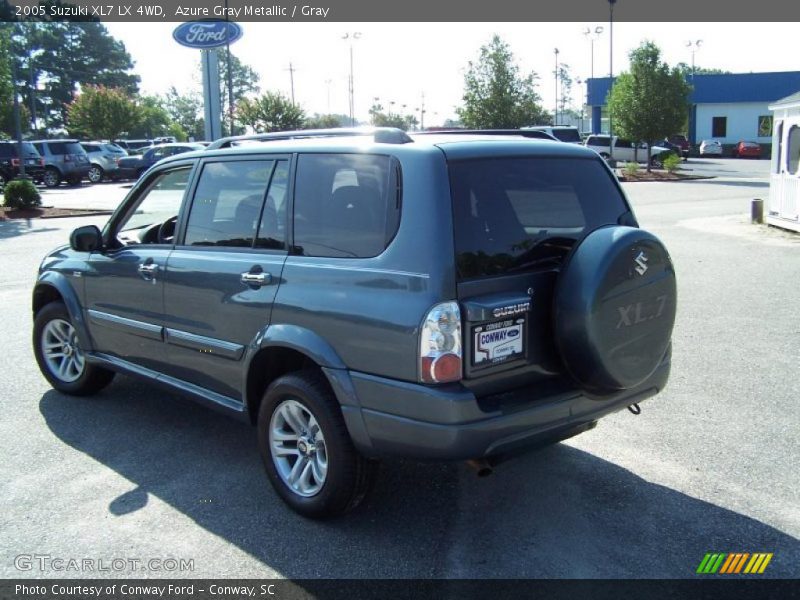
(631, 168)
(21, 193)
(672, 162)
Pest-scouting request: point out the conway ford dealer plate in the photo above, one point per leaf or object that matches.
(499, 342)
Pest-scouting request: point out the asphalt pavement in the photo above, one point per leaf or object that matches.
(709, 466)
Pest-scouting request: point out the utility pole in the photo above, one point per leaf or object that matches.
(291, 70)
(230, 71)
(611, 4)
(555, 114)
(422, 113)
(17, 122)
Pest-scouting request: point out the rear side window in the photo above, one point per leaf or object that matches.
(226, 210)
(7, 151)
(346, 205)
(567, 135)
(598, 141)
(513, 214)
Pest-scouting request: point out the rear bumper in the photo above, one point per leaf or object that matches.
(391, 418)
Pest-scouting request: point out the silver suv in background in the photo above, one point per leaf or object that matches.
(63, 160)
(103, 158)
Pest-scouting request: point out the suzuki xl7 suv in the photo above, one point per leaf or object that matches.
(358, 295)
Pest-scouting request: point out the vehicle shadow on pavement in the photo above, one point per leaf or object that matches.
(17, 227)
(559, 512)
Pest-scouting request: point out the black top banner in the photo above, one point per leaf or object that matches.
(404, 11)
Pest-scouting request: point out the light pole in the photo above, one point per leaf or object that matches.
(555, 114)
(352, 36)
(592, 36)
(611, 4)
(694, 46)
(328, 83)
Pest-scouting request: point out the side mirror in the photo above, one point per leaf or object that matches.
(86, 239)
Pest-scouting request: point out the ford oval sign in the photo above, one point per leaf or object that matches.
(207, 34)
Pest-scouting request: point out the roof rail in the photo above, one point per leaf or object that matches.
(385, 135)
(528, 133)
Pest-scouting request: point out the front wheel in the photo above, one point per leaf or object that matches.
(656, 162)
(60, 356)
(306, 449)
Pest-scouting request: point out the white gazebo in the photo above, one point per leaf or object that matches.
(784, 185)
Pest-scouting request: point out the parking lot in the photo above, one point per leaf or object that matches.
(709, 465)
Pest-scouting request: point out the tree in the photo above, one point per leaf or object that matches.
(687, 70)
(53, 59)
(154, 120)
(380, 118)
(245, 82)
(650, 102)
(270, 112)
(565, 89)
(186, 110)
(496, 95)
(319, 121)
(102, 113)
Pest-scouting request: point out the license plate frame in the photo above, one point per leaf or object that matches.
(508, 343)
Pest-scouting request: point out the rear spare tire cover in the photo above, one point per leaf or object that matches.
(614, 308)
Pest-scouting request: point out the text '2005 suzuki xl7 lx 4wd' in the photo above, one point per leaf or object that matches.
(366, 294)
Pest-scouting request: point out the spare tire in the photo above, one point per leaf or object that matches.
(614, 308)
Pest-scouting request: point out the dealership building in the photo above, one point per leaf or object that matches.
(730, 107)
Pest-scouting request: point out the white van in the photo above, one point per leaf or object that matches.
(565, 133)
(625, 150)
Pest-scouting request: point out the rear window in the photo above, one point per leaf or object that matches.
(514, 214)
(567, 135)
(598, 141)
(65, 148)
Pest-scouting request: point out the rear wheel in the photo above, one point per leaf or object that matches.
(95, 174)
(657, 162)
(60, 356)
(52, 178)
(307, 452)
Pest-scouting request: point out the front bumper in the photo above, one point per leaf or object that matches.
(386, 417)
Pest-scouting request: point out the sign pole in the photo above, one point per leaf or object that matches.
(211, 100)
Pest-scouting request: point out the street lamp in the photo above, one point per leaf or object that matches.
(352, 36)
(555, 114)
(611, 4)
(694, 46)
(592, 35)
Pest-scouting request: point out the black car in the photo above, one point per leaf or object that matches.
(10, 161)
(132, 167)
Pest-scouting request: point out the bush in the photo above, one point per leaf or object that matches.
(672, 162)
(21, 193)
(631, 168)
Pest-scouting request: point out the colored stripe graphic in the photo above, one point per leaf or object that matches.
(732, 563)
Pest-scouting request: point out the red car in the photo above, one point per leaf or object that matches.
(747, 149)
(681, 142)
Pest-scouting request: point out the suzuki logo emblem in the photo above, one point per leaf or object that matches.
(641, 263)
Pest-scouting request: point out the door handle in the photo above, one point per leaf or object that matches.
(256, 279)
(147, 270)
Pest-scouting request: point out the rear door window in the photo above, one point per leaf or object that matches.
(227, 204)
(567, 135)
(346, 205)
(513, 214)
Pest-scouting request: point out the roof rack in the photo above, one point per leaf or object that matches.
(528, 133)
(385, 135)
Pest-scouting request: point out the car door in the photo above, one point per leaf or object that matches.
(223, 275)
(125, 281)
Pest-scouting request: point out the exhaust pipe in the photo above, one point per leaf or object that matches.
(481, 466)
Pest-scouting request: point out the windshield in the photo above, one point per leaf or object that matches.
(513, 213)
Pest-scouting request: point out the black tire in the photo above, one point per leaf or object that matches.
(95, 174)
(52, 178)
(349, 475)
(92, 379)
(656, 162)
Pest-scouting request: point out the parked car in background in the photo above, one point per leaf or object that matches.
(134, 146)
(63, 160)
(626, 150)
(681, 142)
(563, 133)
(747, 150)
(10, 161)
(167, 139)
(710, 148)
(103, 157)
(132, 167)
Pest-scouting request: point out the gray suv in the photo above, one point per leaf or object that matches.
(103, 159)
(63, 160)
(359, 295)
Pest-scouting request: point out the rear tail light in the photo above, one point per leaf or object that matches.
(41, 162)
(14, 162)
(440, 347)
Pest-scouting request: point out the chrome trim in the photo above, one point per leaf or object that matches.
(203, 344)
(140, 328)
(359, 269)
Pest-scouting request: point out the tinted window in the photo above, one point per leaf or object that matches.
(567, 135)
(9, 150)
(597, 141)
(272, 230)
(512, 214)
(226, 209)
(346, 205)
(90, 147)
(624, 144)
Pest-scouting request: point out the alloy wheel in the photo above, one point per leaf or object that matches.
(298, 448)
(61, 352)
